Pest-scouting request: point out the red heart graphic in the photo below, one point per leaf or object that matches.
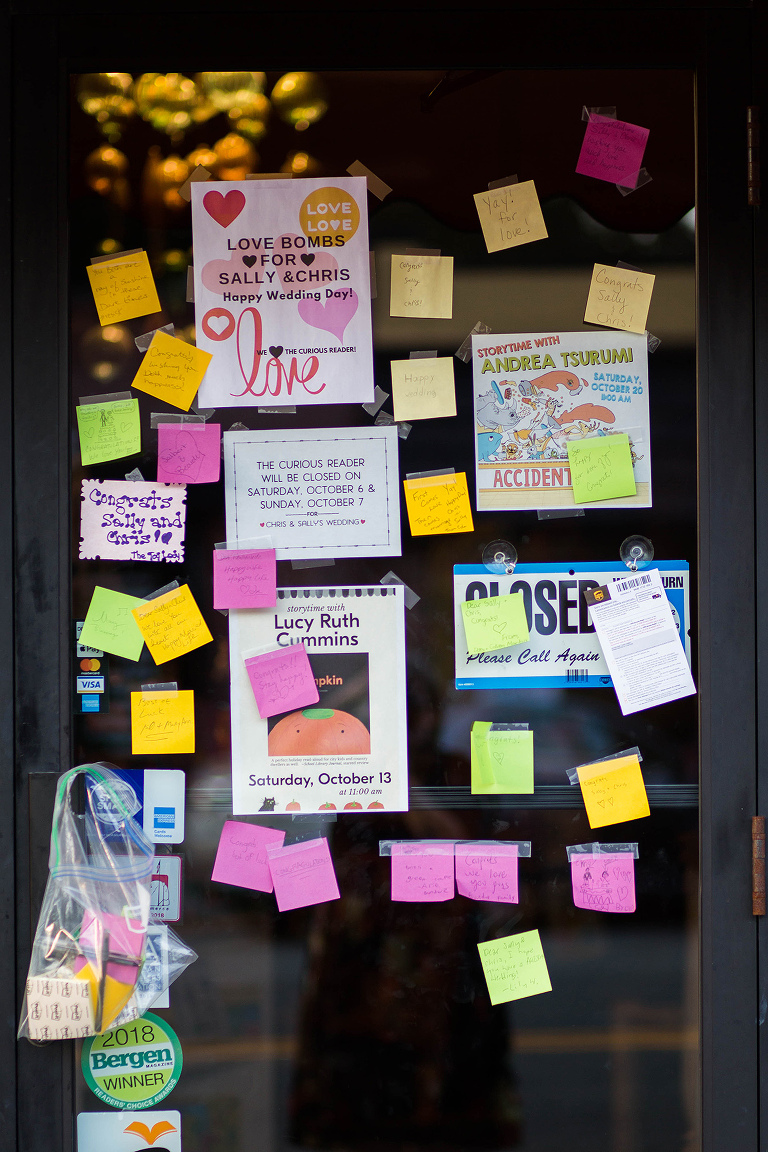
(362, 521)
(224, 209)
(261, 525)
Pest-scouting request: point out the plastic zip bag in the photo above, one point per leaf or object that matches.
(165, 958)
(91, 933)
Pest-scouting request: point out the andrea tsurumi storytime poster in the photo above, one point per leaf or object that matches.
(282, 291)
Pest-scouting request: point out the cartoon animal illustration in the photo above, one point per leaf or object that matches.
(487, 443)
(267, 804)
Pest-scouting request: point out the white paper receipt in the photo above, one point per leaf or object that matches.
(640, 641)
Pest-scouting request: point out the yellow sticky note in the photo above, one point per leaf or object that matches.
(482, 779)
(508, 755)
(162, 722)
(510, 216)
(108, 431)
(424, 388)
(422, 286)
(495, 622)
(619, 298)
(514, 967)
(601, 468)
(438, 505)
(613, 791)
(123, 288)
(172, 370)
(172, 625)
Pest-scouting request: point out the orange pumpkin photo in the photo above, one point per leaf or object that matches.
(319, 732)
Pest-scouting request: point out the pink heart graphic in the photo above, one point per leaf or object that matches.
(224, 209)
(332, 317)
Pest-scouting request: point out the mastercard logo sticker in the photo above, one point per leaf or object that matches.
(90, 665)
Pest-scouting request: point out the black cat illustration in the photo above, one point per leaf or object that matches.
(268, 804)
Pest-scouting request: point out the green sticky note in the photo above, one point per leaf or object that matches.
(496, 622)
(482, 777)
(601, 468)
(514, 967)
(509, 756)
(110, 626)
(108, 431)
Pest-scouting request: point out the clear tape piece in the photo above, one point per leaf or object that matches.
(116, 256)
(423, 355)
(143, 342)
(175, 418)
(326, 563)
(600, 850)
(257, 542)
(106, 398)
(190, 284)
(653, 342)
(284, 410)
(558, 513)
(171, 689)
(404, 430)
(384, 419)
(643, 177)
(441, 847)
(411, 599)
(434, 472)
(510, 728)
(573, 773)
(505, 182)
(376, 185)
(379, 396)
(609, 111)
(238, 426)
(629, 267)
(423, 251)
(134, 475)
(464, 351)
(162, 591)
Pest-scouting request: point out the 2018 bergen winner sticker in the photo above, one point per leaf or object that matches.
(134, 1066)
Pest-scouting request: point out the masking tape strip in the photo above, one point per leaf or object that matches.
(464, 351)
(423, 355)
(116, 256)
(372, 269)
(269, 176)
(190, 284)
(506, 182)
(162, 591)
(143, 342)
(411, 598)
(376, 186)
(106, 398)
(379, 396)
(160, 691)
(601, 850)
(198, 173)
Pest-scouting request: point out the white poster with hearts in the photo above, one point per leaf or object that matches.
(283, 292)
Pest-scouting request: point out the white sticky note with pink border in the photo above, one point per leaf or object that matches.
(241, 858)
(281, 680)
(422, 872)
(188, 453)
(488, 872)
(303, 874)
(604, 882)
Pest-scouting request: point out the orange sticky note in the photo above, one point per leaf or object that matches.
(172, 370)
(172, 625)
(438, 504)
(162, 722)
(613, 791)
(123, 288)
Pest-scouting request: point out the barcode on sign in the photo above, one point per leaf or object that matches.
(635, 582)
(576, 676)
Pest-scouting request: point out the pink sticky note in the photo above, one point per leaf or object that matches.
(612, 150)
(241, 858)
(488, 872)
(282, 680)
(422, 872)
(244, 578)
(126, 938)
(188, 453)
(605, 883)
(303, 874)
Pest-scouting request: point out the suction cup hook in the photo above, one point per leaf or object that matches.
(636, 551)
(500, 557)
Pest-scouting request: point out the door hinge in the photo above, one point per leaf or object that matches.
(753, 156)
(758, 865)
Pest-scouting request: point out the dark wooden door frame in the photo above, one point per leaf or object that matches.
(47, 41)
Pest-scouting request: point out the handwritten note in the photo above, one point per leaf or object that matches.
(422, 286)
(123, 288)
(188, 453)
(110, 625)
(612, 150)
(108, 431)
(514, 967)
(495, 622)
(619, 298)
(241, 858)
(244, 578)
(172, 370)
(172, 625)
(132, 520)
(510, 216)
(438, 505)
(282, 680)
(504, 755)
(302, 874)
(488, 872)
(423, 389)
(422, 872)
(613, 791)
(162, 723)
(605, 882)
(601, 468)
